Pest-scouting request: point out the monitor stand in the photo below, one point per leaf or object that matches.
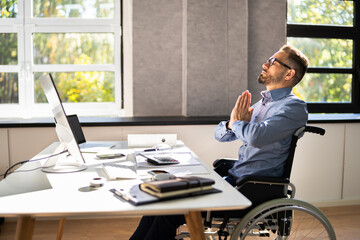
(61, 164)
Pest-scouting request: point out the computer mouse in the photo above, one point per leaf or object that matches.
(163, 176)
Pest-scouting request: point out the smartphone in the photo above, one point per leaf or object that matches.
(109, 155)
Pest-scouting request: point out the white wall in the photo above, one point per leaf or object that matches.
(351, 161)
(325, 171)
(4, 150)
(318, 166)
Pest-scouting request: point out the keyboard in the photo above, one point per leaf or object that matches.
(95, 145)
(118, 171)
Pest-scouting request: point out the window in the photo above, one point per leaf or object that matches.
(77, 41)
(328, 34)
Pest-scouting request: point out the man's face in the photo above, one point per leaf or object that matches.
(274, 74)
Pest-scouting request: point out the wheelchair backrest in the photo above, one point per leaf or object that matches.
(297, 134)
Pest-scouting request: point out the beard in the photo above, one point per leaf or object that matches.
(266, 79)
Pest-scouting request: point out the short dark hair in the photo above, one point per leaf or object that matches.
(298, 61)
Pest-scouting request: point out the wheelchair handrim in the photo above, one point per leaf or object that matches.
(265, 209)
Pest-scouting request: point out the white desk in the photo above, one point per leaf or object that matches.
(68, 195)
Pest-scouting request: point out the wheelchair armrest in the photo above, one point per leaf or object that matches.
(261, 180)
(222, 166)
(266, 181)
(219, 161)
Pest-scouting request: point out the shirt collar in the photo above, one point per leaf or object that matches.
(275, 94)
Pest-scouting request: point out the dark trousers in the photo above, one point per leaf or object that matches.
(162, 227)
(158, 227)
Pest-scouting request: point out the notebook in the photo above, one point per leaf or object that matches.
(121, 170)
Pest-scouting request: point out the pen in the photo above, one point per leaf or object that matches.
(156, 149)
(149, 150)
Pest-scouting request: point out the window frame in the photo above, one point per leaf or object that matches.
(25, 25)
(338, 32)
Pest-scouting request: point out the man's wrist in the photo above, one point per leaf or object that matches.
(228, 125)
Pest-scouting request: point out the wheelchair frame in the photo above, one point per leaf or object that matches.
(276, 218)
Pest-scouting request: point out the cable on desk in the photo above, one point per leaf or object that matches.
(31, 160)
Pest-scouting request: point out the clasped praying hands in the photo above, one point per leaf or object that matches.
(242, 110)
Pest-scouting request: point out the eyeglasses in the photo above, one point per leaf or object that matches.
(271, 62)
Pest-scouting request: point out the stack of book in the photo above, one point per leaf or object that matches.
(177, 187)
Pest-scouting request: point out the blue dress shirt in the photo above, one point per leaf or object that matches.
(267, 137)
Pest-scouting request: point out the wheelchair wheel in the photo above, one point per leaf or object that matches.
(284, 219)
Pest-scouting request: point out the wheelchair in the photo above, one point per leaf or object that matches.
(274, 214)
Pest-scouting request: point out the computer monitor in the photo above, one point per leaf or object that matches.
(74, 160)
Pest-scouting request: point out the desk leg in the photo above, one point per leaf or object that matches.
(195, 225)
(60, 228)
(24, 228)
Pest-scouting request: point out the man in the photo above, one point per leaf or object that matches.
(265, 130)
(267, 127)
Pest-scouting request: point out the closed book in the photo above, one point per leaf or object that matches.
(178, 186)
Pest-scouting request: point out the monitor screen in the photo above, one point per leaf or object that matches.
(75, 160)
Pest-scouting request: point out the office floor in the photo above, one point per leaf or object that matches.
(345, 220)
